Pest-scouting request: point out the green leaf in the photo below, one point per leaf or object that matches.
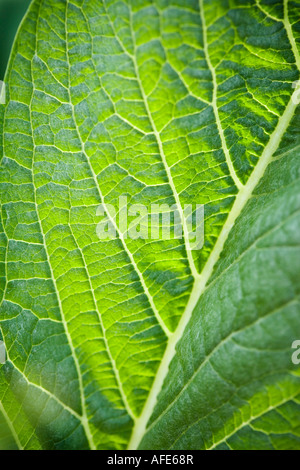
(133, 343)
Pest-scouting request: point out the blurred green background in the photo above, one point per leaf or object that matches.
(11, 14)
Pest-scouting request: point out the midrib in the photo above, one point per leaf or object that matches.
(199, 286)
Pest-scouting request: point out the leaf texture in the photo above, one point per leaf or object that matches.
(122, 343)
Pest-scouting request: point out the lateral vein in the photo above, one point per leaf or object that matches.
(233, 175)
(121, 237)
(289, 31)
(84, 420)
(163, 157)
(11, 427)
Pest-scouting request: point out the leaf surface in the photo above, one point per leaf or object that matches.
(131, 343)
